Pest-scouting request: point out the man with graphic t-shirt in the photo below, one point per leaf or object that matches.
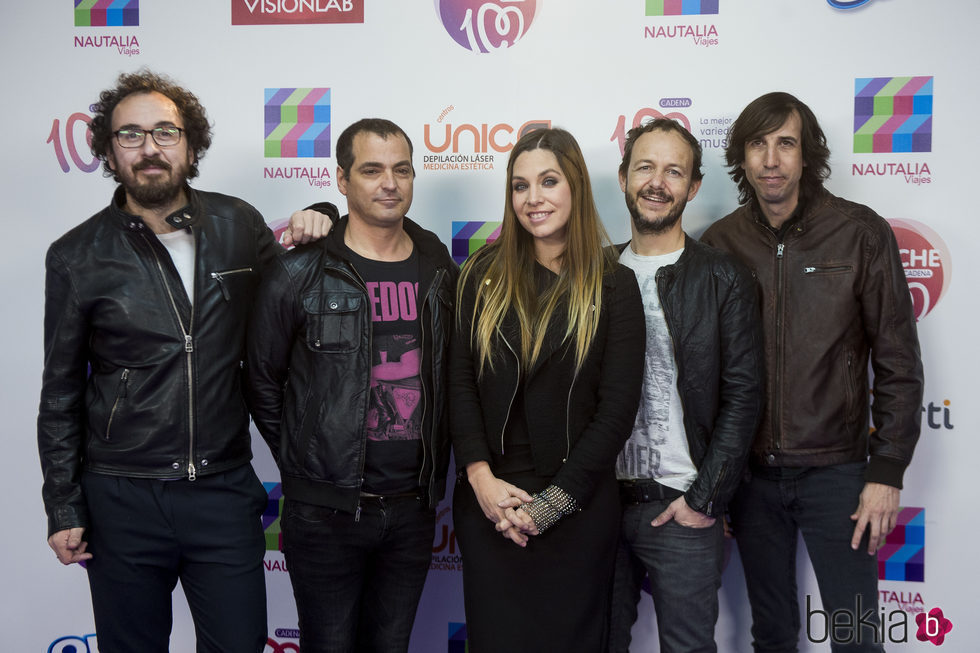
(701, 401)
(346, 381)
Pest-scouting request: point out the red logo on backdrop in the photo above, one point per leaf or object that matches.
(927, 263)
(291, 12)
(933, 626)
(640, 117)
(272, 646)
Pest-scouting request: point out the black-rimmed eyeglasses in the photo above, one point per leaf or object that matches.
(162, 136)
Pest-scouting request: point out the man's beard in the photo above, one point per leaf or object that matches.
(156, 192)
(659, 225)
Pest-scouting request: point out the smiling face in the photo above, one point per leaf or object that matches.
(658, 182)
(379, 184)
(774, 165)
(542, 198)
(153, 176)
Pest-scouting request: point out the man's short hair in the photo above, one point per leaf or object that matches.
(664, 125)
(379, 126)
(196, 128)
(765, 115)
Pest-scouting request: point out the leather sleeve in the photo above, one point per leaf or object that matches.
(61, 416)
(889, 324)
(741, 393)
(275, 320)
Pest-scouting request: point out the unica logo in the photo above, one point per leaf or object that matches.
(927, 263)
(486, 25)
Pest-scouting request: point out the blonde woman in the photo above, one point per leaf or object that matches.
(545, 376)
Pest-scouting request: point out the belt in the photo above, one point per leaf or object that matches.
(382, 497)
(645, 491)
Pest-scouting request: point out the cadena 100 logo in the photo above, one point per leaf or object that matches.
(77, 140)
(927, 263)
(73, 644)
(641, 116)
(486, 25)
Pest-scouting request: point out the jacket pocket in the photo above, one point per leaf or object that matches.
(232, 282)
(122, 389)
(828, 269)
(851, 401)
(334, 321)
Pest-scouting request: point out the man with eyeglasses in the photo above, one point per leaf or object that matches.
(142, 430)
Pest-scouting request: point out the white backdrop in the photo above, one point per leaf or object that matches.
(591, 67)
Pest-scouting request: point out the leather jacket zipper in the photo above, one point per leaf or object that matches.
(220, 278)
(661, 276)
(568, 408)
(121, 391)
(568, 420)
(356, 279)
(780, 343)
(513, 395)
(810, 269)
(714, 493)
(425, 399)
(849, 389)
(189, 350)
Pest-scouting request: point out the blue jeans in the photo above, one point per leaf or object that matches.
(357, 583)
(767, 511)
(684, 565)
(146, 534)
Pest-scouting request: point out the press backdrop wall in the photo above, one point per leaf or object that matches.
(893, 83)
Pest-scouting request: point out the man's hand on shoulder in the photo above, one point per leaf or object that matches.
(877, 509)
(306, 226)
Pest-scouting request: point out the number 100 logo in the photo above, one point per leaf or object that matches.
(486, 25)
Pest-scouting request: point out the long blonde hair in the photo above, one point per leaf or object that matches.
(503, 271)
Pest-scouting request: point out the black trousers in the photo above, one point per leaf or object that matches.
(147, 534)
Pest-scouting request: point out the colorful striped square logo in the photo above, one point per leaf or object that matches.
(471, 236)
(457, 638)
(297, 122)
(107, 13)
(903, 555)
(271, 516)
(681, 7)
(892, 114)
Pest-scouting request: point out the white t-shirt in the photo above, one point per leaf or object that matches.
(180, 244)
(657, 448)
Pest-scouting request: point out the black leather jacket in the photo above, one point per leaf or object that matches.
(712, 312)
(137, 381)
(834, 296)
(308, 368)
(577, 420)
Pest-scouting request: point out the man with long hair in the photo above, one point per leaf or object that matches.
(701, 401)
(834, 298)
(346, 379)
(142, 431)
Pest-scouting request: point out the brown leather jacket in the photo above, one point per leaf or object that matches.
(834, 296)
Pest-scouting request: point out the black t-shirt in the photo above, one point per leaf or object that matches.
(394, 445)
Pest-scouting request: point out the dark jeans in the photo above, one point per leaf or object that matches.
(767, 511)
(357, 583)
(147, 534)
(684, 565)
